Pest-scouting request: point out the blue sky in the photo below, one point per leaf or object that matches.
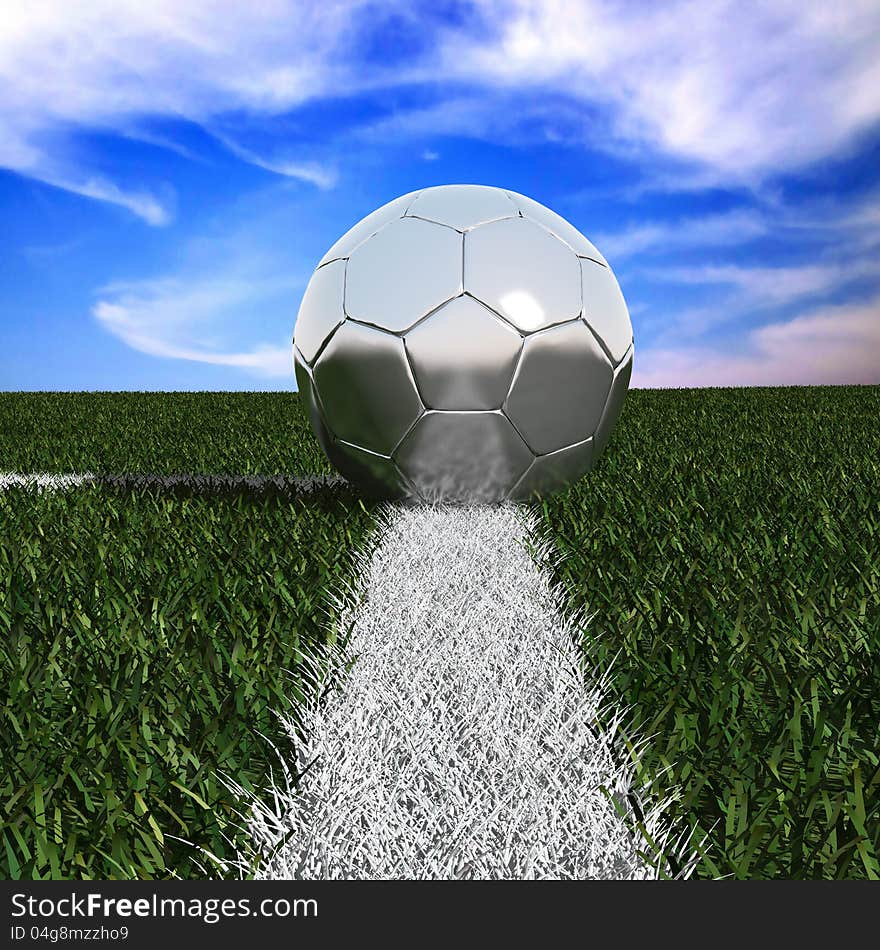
(172, 170)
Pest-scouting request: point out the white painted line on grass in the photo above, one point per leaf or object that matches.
(463, 741)
(44, 481)
(298, 484)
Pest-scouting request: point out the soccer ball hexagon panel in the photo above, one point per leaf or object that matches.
(463, 344)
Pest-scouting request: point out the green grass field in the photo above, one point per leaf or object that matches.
(725, 547)
(146, 633)
(728, 546)
(158, 433)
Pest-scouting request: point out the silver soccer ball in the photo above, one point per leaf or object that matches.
(463, 344)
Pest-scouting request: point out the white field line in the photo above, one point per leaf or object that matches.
(462, 742)
(64, 481)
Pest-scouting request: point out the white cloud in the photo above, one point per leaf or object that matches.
(767, 284)
(142, 203)
(742, 292)
(827, 346)
(739, 90)
(771, 286)
(742, 89)
(852, 224)
(849, 226)
(316, 173)
(188, 318)
(729, 228)
(126, 322)
(101, 64)
(51, 168)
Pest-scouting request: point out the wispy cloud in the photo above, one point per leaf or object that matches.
(716, 230)
(744, 90)
(54, 170)
(772, 286)
(127, 322)
(320, 174)
(137, 133)
(826, 346)
(851, 226)
(738, 91)
(740, 292)
(142, 203)
(190, 317)
(103, 63)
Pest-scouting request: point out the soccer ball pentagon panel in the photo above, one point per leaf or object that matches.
(463, 344)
